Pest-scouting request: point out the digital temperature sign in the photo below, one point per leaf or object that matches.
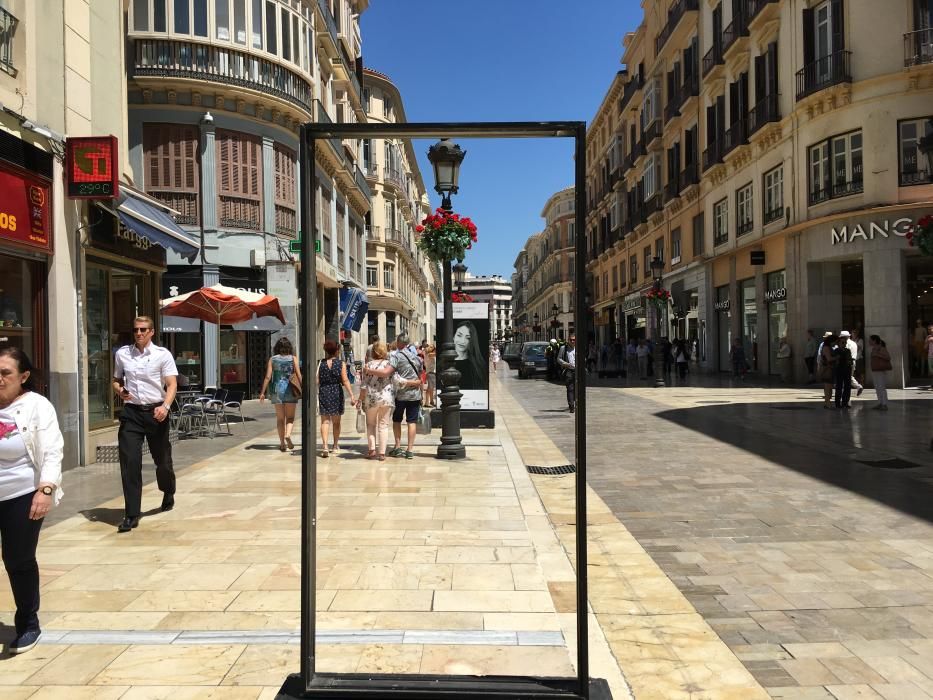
(93, 166)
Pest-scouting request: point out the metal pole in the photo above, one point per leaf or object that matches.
(307, 326)
(658, 354)
(580, 327)
(451, 446)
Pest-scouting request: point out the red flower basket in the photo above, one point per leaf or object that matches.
(445, 235)
(921, 235)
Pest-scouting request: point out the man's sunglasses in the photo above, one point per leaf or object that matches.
(141, 330)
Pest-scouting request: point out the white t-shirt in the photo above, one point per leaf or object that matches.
(17, 475)
(495, 355)
(143, 372)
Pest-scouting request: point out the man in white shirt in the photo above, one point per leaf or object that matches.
(140, 372)
(567, 358)
(852, 347)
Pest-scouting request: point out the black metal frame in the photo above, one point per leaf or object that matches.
(310, 684)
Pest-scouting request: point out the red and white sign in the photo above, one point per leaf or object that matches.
(92, 167)
(24, 210)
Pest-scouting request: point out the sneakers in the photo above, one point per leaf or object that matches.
(24, 642)
(396, 452)
(407, 455)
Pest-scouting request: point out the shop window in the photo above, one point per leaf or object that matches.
(675, 246)
(233, 357)
(171, 168)
(773, 194)
(749, 322)
(777, 315)
(914, 165)
(835, 167)
(23, 309)
(744, 217)
(721, 222)
(239, 164)
(286, 221)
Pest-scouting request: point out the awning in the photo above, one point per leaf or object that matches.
(154, 224)
(180, 324)
(263, 323)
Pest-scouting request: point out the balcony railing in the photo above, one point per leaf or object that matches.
(651, 133)
(651, 206)
(168, 58)
(393, 176)
(737, 28)
(737, 135)
(713, 154)
(743, 227)
(240, 212)
(321, 116)
(765, 111)
(837, 189)
(7, 29)
(824, 72)
(773, 214)
(918, 48)
(712, 58)
(371, 169)
(689, 88)
(753, 7)
(631, 87)
(286, 221)
(329, 20)
(689, 176)
(672, 109)
(674, 15)
(361, 183)
(672, 188)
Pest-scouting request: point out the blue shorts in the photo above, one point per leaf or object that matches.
(409, 408)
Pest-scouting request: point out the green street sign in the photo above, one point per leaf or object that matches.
(295, 246)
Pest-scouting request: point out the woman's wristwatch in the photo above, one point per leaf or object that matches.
(47, 490)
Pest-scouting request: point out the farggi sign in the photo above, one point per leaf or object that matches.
(868, 232)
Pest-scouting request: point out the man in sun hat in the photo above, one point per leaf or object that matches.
(852, 347)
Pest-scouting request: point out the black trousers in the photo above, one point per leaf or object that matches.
(571, 381)
(136, 424)
(18, 538)
(843, 387)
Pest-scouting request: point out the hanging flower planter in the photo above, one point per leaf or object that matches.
(921, 236)
(461, 298)
(659, 297)
(445, 235)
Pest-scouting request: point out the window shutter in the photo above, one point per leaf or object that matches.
(773, 69)
(734, 100)
(839, 37)
(720, 117)
(717, 25)
(710, 125)
(743, 95)
(809, 40)
(760, 79)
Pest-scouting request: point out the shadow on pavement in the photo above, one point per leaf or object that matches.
(832, 445)
(112, 516)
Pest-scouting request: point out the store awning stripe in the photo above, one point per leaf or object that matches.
(149, 222)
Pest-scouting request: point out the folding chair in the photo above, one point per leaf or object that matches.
(234, 402)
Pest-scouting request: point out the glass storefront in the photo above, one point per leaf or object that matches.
(233, 357)
(919, 314)
(186, 349)
(22, 309)
(114, 297)
(777, 315)
(724, 321)
(748, 306)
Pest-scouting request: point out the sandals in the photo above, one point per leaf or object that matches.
(381, 458)
(371, 454)
(325, 453)
(289, 443)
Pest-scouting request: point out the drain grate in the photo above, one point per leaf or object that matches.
(552, 471)
(894, 463)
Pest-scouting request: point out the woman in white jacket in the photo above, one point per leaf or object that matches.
(30, 484)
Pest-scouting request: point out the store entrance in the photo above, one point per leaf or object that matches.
(919, 317)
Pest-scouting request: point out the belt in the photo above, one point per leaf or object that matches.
(147, 407)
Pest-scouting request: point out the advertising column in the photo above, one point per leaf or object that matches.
(471, 343)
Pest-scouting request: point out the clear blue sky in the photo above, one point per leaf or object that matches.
(500, 60)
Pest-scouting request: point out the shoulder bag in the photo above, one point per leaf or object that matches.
(293, 379)
(880, 362)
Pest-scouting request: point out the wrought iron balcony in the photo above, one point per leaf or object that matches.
(713, 154)
(918, 48)
(631, 87)
(651, 133)
(674, 15)
(7, 29)
(651, 206)
(824, 72)
(736, 135)
(689, 176)
(712, 58)
(170, 58)
(754, 7)
(329, 22)
(736, 29)
(672, 109)
(672, 188)
(765, 111)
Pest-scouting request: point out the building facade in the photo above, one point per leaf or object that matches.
(402, 285)
(770, 153)
(495, 291)
(521, 328)
(217, 92)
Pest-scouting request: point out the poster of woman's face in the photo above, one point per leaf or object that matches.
(471, 345)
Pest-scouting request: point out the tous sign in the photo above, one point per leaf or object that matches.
(884, 229)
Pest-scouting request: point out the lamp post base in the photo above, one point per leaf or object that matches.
(451, 452)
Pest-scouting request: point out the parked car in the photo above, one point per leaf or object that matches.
(512, 354)
(533, 360)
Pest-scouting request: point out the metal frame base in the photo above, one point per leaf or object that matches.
(418, 687)
(469, 418)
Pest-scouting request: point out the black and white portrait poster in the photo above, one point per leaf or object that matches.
(471, 343)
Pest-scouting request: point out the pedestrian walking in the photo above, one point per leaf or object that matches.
(880, 366)
(377, 399)
(567, 359)
(495, 356)
(30, 485)
(667, 354)
(681, 357)
(332, 380)
(140, 372)
(592, 355)
(631, 357)
(809, 356)
(280, 368)
(853, 349)
(859, 356)
(825, 364)
(784, 360)
(407, 395)
(641, 354)
(430, 367)
(843, 371)
(737, 356)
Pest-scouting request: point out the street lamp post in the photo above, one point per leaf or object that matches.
(657, 268)
(555, 322)
(446, 157)
(459, 271)
(537, 328)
